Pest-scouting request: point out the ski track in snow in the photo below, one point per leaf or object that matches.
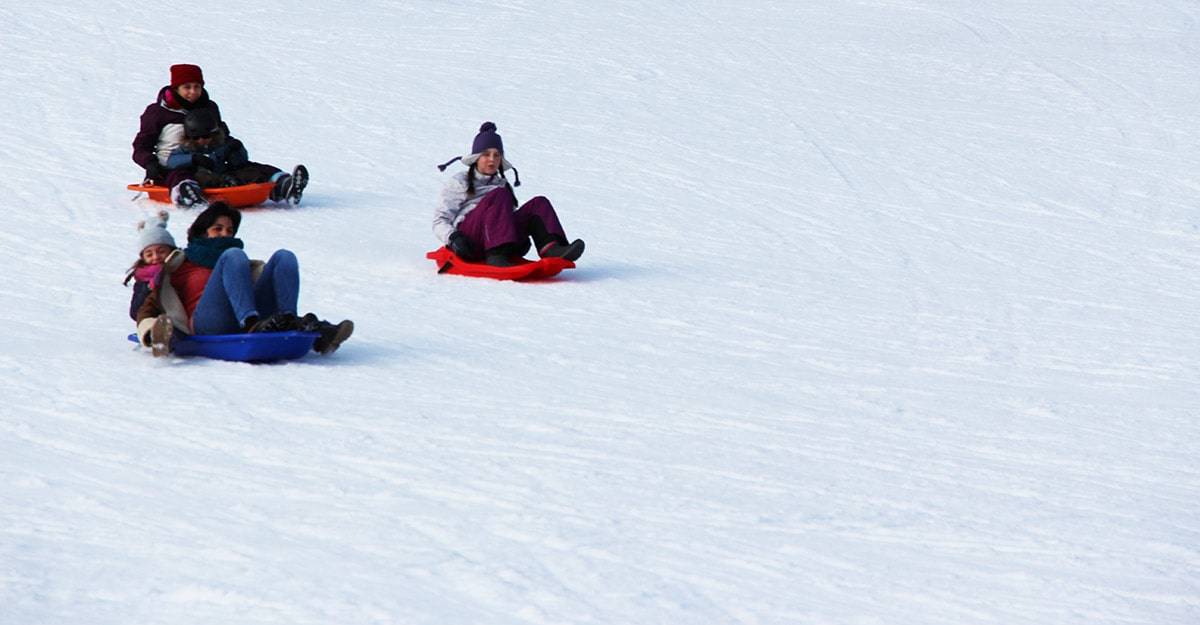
(888, 315)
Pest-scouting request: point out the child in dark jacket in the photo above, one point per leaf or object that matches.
(155, 243)
(219, 160)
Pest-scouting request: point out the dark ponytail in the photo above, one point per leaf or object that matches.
(471, 180)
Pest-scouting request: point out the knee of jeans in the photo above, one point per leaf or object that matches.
(234, 254)
(285, 257)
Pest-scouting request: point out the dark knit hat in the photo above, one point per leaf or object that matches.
(216, 210)
(183, 74)
(486, 140)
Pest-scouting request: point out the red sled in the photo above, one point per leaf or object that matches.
(449, 262)
(239, 196)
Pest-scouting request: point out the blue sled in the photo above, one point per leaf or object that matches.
(258, 347)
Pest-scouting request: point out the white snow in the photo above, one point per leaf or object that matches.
(888, 315)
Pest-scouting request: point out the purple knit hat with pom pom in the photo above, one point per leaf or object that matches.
(487, 139)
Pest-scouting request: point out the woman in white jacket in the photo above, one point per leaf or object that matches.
(478, 215)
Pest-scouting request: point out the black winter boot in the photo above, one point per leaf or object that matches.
(499, 259)
(505, 254)
(189, 193)
(282, 189)
(278, 322)
(299, 181)
(569, 252)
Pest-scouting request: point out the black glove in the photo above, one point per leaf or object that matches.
(154, 171)
(202, 161)
(462, 246)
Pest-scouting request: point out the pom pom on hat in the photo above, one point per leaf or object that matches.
(183, 74)
(486, 139)
(154, 232)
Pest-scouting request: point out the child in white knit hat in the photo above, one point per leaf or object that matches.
(154, 243)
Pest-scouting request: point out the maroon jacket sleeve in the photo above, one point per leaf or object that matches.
(147, 136)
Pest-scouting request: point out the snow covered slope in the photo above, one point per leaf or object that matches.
(888, 315)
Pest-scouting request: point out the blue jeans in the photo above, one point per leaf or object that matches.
(230, 296)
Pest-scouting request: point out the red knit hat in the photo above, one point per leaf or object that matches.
(183, 74)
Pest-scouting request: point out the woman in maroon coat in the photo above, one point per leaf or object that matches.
(161, 131)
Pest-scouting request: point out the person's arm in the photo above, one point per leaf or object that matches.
(233, 153)
(146, 140)
(454, 193)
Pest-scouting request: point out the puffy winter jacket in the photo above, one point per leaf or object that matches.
(455, 205)
(161, 128)
(226, 154)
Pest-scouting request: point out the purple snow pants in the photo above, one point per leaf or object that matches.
(493, 222)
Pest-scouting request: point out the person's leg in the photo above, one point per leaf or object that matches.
(251, 173)
(228, 299)
(278, 288)
(490, 224)
(176, 176)
(538, 219)
(206, 178)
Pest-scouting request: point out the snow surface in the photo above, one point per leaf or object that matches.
(888, 315)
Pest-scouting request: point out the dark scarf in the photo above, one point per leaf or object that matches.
(205, 252)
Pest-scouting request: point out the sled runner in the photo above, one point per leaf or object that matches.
(256, 347)
(237, 197)
(449, 262)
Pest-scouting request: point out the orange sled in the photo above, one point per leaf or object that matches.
(241, 195)
(448, 262)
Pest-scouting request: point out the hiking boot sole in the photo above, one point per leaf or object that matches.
(299, 182)
(160, 336)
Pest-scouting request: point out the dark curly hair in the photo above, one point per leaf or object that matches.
(199, 227)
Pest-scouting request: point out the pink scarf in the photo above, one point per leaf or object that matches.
(148, 273)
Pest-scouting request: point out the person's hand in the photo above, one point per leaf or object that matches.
(154, 171)
(462, 246)
(202, 161)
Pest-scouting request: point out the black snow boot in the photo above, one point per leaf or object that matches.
(569, 252)
(299, 181)
(505, 254)
(499, 259)
(278, 322)
(189, 193)
(282, 189)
